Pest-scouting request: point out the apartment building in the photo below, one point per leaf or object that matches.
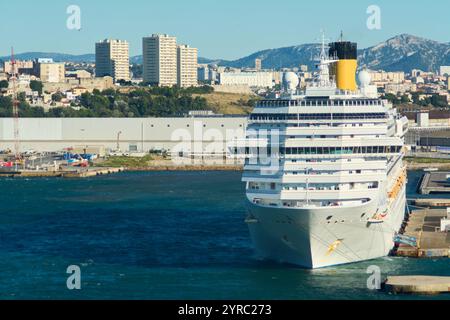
(21, 67)
(187, 59)
(112, 59)
(49, 71)
(160, 60)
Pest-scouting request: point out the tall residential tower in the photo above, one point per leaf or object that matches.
(160, 60)
(112, 59)
(187, 66)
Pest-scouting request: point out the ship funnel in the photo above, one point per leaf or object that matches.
(346, 54)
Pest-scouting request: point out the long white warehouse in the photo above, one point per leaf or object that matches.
(190, 135)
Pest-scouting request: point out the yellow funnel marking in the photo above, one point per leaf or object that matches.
(346, 74)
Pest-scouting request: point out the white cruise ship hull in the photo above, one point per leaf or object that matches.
(318, 238)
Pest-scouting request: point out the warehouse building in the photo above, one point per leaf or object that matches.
(189, 136)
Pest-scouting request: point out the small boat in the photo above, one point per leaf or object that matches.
(430, 169)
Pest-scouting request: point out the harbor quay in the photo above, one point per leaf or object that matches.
(61, 173)
(425, 234)
(435, 182)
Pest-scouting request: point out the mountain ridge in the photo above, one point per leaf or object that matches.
(400, 53)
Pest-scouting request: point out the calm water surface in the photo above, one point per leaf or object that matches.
(161, 235)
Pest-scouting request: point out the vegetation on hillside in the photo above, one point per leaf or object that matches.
(138, 102)
(36, 86)
(4, 84)
(231, 103)
(435, 100)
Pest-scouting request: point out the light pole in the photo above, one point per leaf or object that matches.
(118, 140)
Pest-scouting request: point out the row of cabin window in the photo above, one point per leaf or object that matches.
(313, 103)
(317, 116)
(332, 150)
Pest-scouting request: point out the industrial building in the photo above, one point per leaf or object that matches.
(199, 136)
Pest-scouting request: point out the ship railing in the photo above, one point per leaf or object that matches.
(318, 103)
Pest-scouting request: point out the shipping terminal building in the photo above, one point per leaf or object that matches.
(189, 136)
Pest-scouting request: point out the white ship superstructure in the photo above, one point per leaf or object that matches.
(324, 172)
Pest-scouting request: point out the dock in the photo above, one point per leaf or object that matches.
(417, 285)
(68, 173)
(92, 172)
(425, 227)
(435, 182)
(432, 202)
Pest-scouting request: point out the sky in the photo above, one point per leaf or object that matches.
(226, 29)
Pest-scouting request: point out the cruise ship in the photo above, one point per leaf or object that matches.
(324, 172)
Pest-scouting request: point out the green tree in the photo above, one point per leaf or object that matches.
(404, 99)
(57, 97)
(4, 84)
(5, 107)
(36, 86)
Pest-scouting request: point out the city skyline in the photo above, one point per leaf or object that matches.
(226, 31)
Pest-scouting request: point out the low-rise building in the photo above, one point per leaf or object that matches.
(21, 67)
(49, 71)
(203, 73)
(381, 78)
(78, 91)
(251, 79)
(90, 84)
(400, 88)
(79, 74)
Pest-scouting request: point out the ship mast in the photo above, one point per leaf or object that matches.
(323, 76)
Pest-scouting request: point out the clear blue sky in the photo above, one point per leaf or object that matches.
(218, 28)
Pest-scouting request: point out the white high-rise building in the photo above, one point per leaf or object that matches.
(187, 62)
(258, 64)
(160, 60)
(112, 59)
(444, 70)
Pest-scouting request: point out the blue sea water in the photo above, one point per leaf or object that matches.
(159, 235)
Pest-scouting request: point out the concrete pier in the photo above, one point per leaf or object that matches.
(93, 172)
(432, 202)
(417, 285)
(435, 182)
(69, 173)
(425, 226)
